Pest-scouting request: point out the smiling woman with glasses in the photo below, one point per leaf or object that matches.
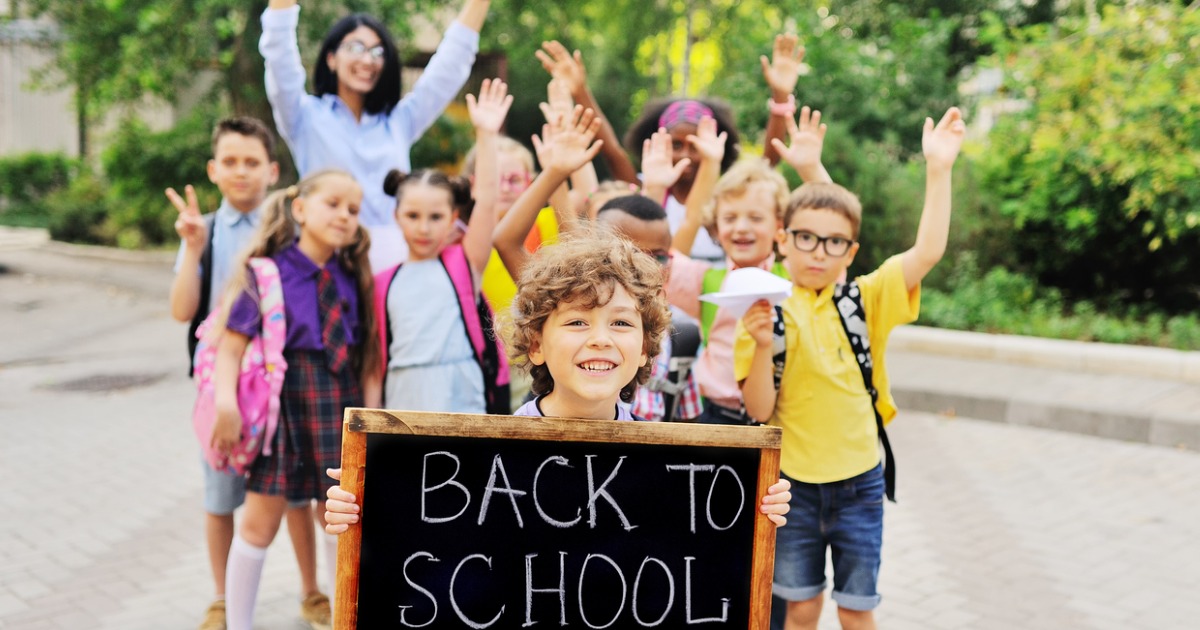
(355, 119)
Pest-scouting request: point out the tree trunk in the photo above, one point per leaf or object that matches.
(247, 86)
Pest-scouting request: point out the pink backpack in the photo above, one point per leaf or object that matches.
(259, 381)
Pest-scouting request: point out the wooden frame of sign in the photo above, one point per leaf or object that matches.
(670, 530)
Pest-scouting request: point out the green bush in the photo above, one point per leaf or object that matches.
(79, 213)
(1099, 174)
(140, 164)
(444, 144)
(1002, 301)
(26, 181)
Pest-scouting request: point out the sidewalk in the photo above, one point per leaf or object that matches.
(1137, 394)
(1105, 390)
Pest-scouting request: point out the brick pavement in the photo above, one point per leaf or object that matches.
(999, 526)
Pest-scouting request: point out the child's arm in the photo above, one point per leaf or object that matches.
(185, 289)
(658, 173)
(564, 212)
(940, 145)
(372, 388)
(758, 389)
(561, 154)
(807, 141)
(227, 431)
(781, 74)
(556, 109)
(711, 148)
(563, 65)
(558, 106)
(487, 115)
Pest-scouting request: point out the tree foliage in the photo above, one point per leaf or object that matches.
(1099, 175)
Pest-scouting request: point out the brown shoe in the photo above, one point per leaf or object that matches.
(315, 610)
(214, 618)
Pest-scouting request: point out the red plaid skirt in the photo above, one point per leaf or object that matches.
(309, 438)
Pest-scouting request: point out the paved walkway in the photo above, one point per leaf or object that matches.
(998, 525)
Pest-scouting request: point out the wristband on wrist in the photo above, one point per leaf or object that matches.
(782, 109)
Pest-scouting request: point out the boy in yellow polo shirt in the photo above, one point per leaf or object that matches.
(830, 439)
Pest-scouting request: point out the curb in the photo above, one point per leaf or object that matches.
(1072, 356)
(97, 252)
(1165, 431)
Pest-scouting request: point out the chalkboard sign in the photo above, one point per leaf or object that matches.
(509, 522)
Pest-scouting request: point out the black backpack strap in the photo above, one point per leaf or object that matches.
(848, 300)
(205, 303)
(778, 347)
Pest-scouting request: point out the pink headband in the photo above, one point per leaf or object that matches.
(683, 112)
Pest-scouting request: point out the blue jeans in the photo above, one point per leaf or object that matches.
(847, 518)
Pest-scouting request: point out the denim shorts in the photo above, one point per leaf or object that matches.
(225, 492)
(845, 517)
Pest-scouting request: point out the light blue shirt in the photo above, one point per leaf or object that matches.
(322, 132)
(232, 232)
(431, 364)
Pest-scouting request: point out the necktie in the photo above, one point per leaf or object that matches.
(333, 334)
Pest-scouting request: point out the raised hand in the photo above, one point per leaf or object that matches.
(571, 146)
(190, 225)
(489, 110)
(559, 104)
(941, 143)
(708, 143)
(787, 61)
(658, 173)
(564, 65)
(807, 139)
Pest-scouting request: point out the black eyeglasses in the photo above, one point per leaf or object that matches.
(835, 246)
(358, 49)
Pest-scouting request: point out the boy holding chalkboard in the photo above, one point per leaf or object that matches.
(588, 318)
(814, 367)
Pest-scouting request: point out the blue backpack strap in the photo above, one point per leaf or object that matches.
(848, 300)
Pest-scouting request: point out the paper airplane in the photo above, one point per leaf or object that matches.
(744, 287)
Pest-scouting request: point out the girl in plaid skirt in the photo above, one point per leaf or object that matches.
(311, 231)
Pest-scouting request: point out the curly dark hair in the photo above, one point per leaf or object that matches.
(585, 268)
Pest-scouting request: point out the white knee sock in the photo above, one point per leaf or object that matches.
(242, 576)
(330, 545)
